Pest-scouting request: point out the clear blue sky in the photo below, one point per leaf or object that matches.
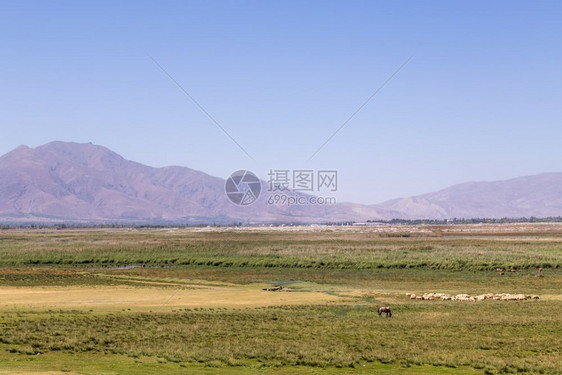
(480, 100)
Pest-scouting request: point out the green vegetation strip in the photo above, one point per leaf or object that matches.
(276, 250)
(495, 337)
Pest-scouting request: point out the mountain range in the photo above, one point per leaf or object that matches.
(75, 182)
(538, 195)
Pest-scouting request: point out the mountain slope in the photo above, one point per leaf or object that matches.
(72, 181)
(538, 195)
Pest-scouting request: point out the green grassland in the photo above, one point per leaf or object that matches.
(334, 250)
(358, 269)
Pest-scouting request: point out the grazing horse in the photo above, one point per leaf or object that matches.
(385, 309)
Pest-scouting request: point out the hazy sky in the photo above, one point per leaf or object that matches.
(481, 99)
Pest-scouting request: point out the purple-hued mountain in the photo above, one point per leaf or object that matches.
(84, 182)
(63, 181)
(538, 195)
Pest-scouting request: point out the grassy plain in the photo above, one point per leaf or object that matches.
(191, 300)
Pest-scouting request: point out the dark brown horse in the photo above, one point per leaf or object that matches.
(385, 309)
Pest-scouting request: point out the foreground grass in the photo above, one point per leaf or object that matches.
(92, 363)
(492, 336)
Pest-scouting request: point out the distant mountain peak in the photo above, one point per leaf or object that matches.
(538, 195)
(86, 182)
(73, 149)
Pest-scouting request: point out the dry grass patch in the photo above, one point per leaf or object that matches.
(117, 298)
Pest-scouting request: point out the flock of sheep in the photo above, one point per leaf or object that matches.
(469, 298)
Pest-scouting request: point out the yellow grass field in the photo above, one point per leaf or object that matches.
(116, 298)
